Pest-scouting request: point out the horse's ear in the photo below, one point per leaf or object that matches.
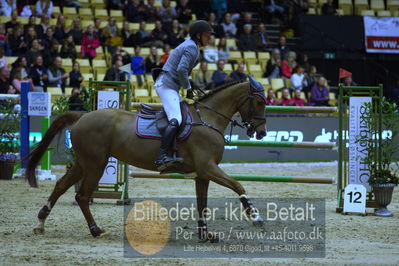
(255, 85)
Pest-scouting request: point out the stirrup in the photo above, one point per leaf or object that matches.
(164, 162)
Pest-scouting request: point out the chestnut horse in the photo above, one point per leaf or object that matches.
(103, 133)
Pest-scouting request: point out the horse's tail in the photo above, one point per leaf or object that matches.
(34, 157)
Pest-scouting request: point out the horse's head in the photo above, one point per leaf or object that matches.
(252, 109)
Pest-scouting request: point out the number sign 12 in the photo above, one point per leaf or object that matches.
(355, 198)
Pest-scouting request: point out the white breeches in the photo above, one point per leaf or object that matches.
(170, 99)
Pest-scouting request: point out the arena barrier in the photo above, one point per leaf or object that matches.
(270, 109)
(241, 177)
(283, 144)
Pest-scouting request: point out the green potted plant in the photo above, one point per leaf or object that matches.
(380, 152)
(9, 137)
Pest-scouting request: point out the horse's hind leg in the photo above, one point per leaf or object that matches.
(92, 176)
(63, 184)
(214, 173)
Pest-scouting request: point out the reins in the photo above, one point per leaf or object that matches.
(247, 123)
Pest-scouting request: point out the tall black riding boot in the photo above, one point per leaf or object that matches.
(168, 137)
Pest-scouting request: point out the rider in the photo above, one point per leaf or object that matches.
(175, 74)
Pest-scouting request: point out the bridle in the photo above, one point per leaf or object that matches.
(245, 123)
(248, 122)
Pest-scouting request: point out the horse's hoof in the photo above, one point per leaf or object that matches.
(258, 221)
(38, 231)
(103, 235)
(213, 238)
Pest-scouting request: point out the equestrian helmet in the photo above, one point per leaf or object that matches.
(200, 26)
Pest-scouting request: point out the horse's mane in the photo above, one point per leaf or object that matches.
(220, 88)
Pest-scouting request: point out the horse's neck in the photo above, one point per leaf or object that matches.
(226, 103)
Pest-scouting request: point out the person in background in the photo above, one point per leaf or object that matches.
(158, 35)
(5, 81)
(288, 64)
(31, 23)
(10, 25)
(166, 52)
(282, 46)
(68, 49)
(30, 35)
(297, 99)
(3, 39)
(245, 18)
(16, 42)
(262, 41)
(112, 35)
(44, 7)
(229, 27)
(153, 60)
(219, 7)
(142, 36)
(273, 7)
(21, 76)
(273, 66)
(61, 30)
(328, 8)
(56, 74)
(238, 74)
(75, 103)
(176, 34)
(151, 12)
(43, 26)
(24, 7)
(304, 62)
(224, 51)
(7, 6)
(76, 30)
(319, 93)
(90, 42)
(48, 38)
(21, 62)
(310, 78)
(217, 29)
(183, 12)
(50, 54)
(75, 77)
(210, 51)
(135, 11)
(247, 41)
(203, 77)
(72, 3)
(285, 98)
(298, 79)
(219, 77)
(138, 65)
(114, 73)
(38, 73)
(167, 13)
(3, 58)
(98, 30)
(128, 37)
(271, 98)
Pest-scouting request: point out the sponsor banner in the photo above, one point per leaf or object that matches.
(358, 171)
(39, 104)
(381, 34)
(109, 99)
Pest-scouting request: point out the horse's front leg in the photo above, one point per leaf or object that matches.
(201, 188)
(215, 174)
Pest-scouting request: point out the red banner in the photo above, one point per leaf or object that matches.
(382, 42)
